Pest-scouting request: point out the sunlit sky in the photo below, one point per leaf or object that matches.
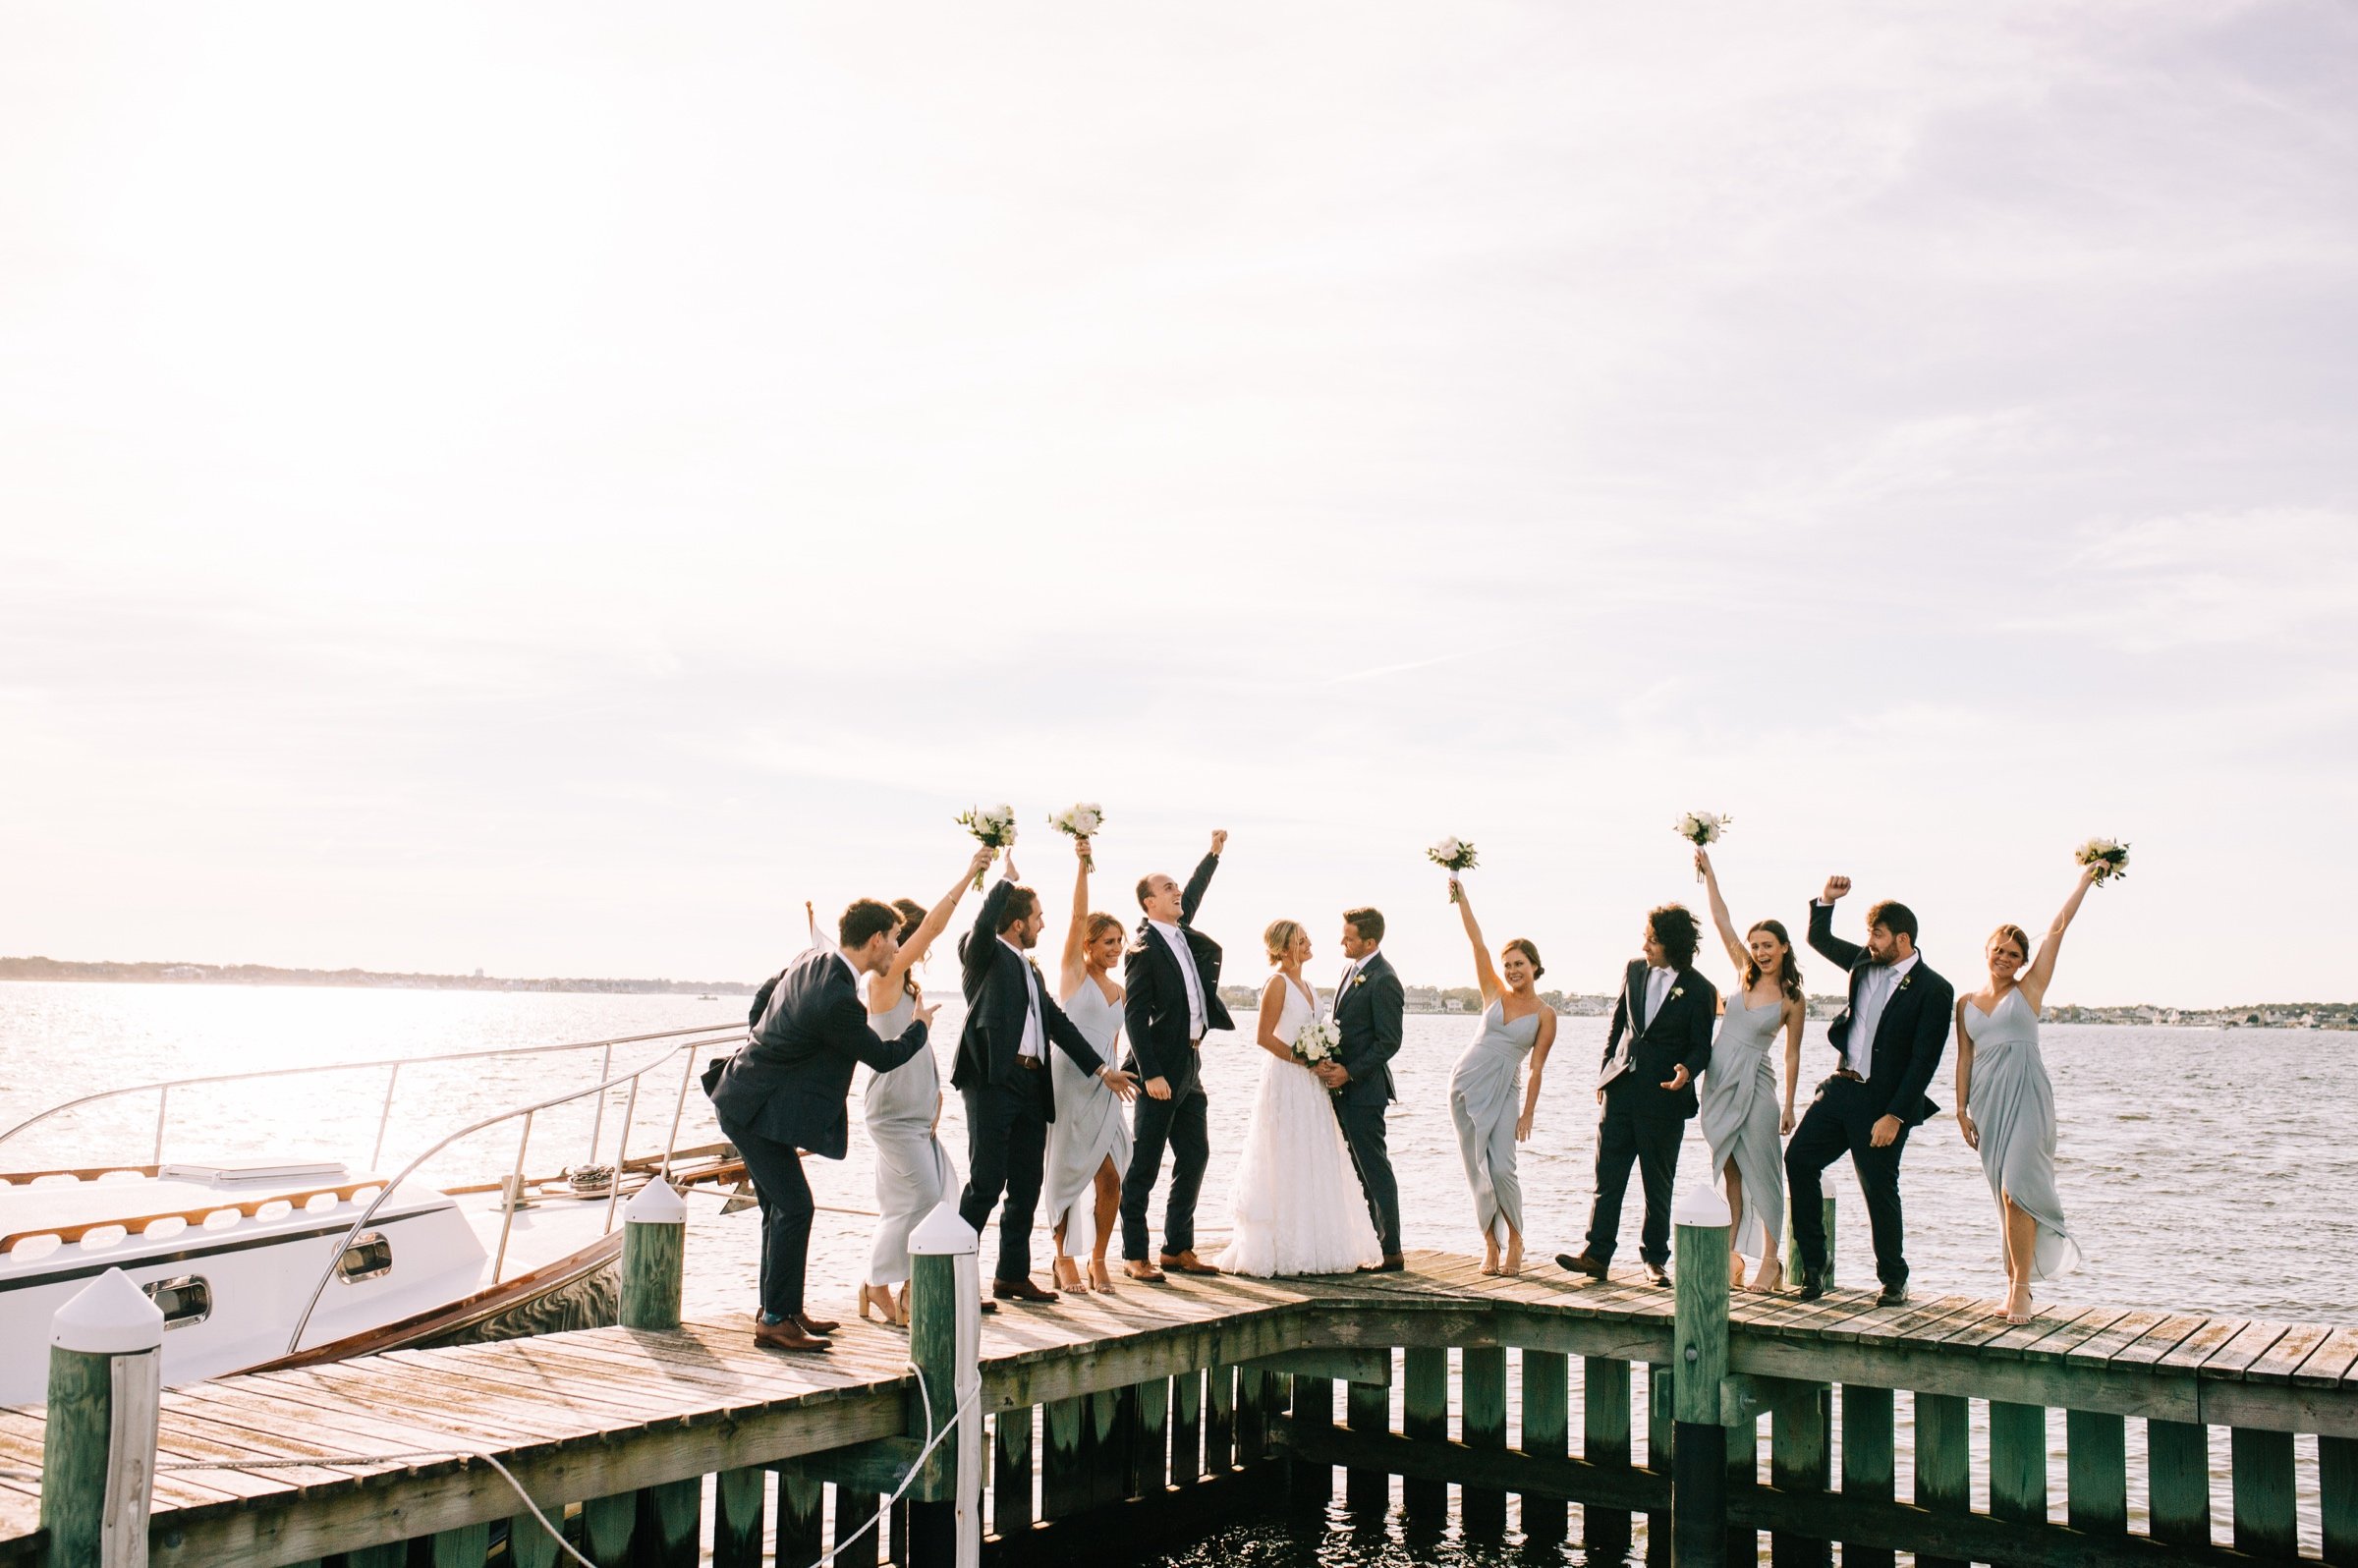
(550, 487)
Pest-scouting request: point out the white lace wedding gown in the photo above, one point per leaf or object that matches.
(1298, 1206)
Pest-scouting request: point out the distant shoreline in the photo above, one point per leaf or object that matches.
(1421, 999)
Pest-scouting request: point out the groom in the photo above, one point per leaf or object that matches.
(1658, 1044)
(1367, 1004)
(1171, 985)
(1889, 1038)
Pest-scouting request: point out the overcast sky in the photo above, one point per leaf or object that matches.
(551, 487)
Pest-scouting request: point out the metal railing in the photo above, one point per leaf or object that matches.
(683, 1048)
(713, 1034)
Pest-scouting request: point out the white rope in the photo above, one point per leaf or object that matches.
(933, 1437)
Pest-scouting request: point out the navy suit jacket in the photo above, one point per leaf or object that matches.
(1680, 1033)
(1910, 1035)
(788, 1081)
(1366, 1020)
(997, 1003)
(1154, 991)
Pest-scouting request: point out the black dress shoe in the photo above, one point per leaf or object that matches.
(1813, 1286)
(1656, 1274)
(1894, 1296)
(1582, 1264)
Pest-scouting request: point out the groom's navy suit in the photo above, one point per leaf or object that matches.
(1160, 1026)
(1366, 1020)
(1009, 1100)
(1641, 1122)
(783, 1093)
(1906, 1050)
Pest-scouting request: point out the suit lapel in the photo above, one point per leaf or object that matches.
(1635, 984)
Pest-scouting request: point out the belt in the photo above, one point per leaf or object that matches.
(1029, 1064)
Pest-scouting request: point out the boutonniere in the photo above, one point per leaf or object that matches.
(1677, 991)
(1359, 979)
(1907, 979)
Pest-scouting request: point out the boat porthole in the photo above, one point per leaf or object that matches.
(370, 1257)
(184, 1300)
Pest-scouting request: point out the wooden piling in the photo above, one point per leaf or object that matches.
(1481, 1422)
(1063, 1469)
(1547, 1435)
(1368, 1408)
(1604, 1440)
(857, 1525)
(1424, 1418)
(2018, 1462)
(800, 1518)
(740, 1510)
(607, 1526)
(655, 1257)
(98, 1441)
(1219, 1420)
(1250, 1421)
(1944, 1463)
(1698, 1345)
(2261, 1463)
(2177, 1473)
(669, 1533)
(2097, 1474)
(1312, 1486)
(1011, 1471)
(1868, 1462)
(464, 1547)
(1662, 1445)
(1150, 1437)
(1187, 1427)
(2338, 1490)
(1801, 1462)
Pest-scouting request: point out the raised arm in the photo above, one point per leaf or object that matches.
(1196, 886)
(937, 921)
(1728, 938)
(1075, 935)
(1822, 927)
(2042, 967)
(975, 958)
(1485, 974)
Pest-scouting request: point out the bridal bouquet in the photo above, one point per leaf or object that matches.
(1700, 828)
(1453, 854)
(1314, 1042)
(2109, 859)
(994, 827)
(1081, 820)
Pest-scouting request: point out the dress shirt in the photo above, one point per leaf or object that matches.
(1658, 992)
(1035, 1039)
(1344, 985)
(1876, 987)
(1187, 966)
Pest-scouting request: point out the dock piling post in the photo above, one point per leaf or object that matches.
(654, 1255)
(99, 1446)
(1699, 1350)
(945, 1346)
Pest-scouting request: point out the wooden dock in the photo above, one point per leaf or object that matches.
(1227, 1387)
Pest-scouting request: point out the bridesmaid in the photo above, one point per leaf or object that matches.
(1739, 1113)
(903, 1108)
(1515, 1023)
(2006, 1104)
(1089, 1143)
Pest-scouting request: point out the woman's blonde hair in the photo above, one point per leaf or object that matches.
(1278, 940)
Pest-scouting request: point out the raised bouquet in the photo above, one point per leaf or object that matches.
(1700, 828)
(1314, 1042)
(1453, 854)
(1081, 820)
(2109, 859)
(994, 827)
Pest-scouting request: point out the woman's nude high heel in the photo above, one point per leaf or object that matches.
(881, 1297)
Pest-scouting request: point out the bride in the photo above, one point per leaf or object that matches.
(1298, 1206)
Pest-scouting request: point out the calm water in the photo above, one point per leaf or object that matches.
(2201, 1170)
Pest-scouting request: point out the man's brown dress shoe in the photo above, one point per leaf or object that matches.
(1140, 1268)
(1656, 1274)
(1187, 1262)
(816, 1325)
(1581, 1264)
(1020, 1290)
(788, 1335)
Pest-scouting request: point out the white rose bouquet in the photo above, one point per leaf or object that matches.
(1081, 820)
(1315, 1043)
(994, 827)
(1453, 854)
(2109, 859)
(1700, 828)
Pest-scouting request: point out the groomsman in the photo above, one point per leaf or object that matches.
(1888, 1041)
(1368, 1003)
(1171, 984)
(1002, 1071)
(1659, 1043)
(783, 1093)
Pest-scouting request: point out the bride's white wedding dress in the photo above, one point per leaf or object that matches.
(1298, 1205)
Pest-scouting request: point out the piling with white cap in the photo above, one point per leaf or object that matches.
(945, 1346)
(1699, 1365)
(654, 1257)
(98, 1448)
